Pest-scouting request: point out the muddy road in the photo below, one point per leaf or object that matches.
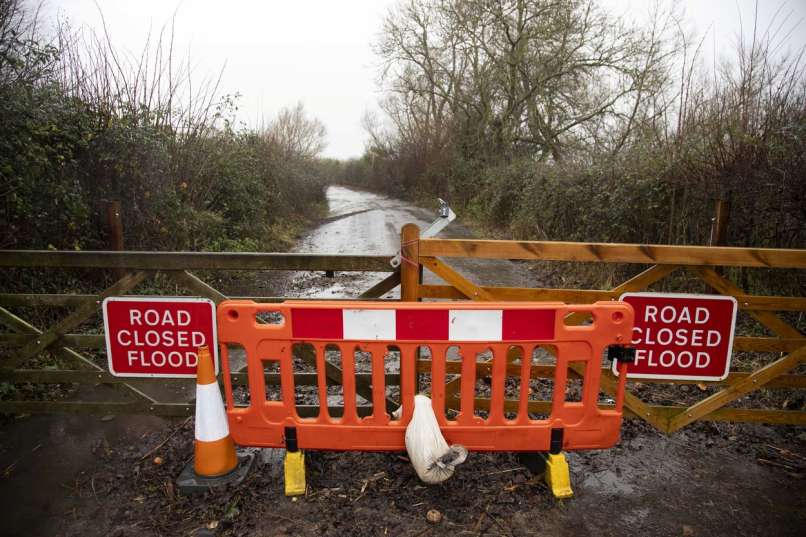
(93, 476)
(368, 223)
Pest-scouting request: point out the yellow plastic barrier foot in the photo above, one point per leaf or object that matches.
(294, 467)
(558, 476)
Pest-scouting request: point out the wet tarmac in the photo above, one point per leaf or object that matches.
(361, 222)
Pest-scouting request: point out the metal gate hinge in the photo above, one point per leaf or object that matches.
(446, 216)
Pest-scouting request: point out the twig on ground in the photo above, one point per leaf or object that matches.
(92, 486)
(477, 526)
(176, 430)
(785, 452)
(10, 468)
(778, 464)
(505, 471)
(501, 526)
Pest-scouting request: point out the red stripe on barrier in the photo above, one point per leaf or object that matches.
(422, 324)
(317, 323)
(528, 325)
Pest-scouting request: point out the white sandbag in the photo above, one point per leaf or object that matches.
(432, 458)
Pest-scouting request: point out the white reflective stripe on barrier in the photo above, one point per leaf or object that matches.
(475, 325)
(211, 420)
(369, 324)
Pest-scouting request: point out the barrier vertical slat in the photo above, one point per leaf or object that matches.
(348, 383)
(408, 371)
(590, 385)
(257, 383)
(526, 371)
(321, 383)
(560, 380)
(223, 352)
(467, 386)
(499, 371)
(378, 385)
(287, 386)
(438, 381)
(622, 384)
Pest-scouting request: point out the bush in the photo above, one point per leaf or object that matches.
(76, 133)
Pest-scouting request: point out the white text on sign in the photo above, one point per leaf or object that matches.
(155, 338)
(682, 337)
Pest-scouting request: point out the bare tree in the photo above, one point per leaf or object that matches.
(24, 59)
(530, 76)
(296, 134)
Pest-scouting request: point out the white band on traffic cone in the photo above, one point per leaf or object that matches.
(211, 420)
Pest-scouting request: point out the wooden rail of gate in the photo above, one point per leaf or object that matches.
(700, 261)
(22, 342)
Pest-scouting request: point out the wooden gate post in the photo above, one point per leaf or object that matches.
(410, 283)
(115, 223)
(410, 263)
(722, 215)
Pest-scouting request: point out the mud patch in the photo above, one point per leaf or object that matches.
(648, 485)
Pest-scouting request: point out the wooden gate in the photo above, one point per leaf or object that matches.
(68, 352)
(58, 354)
(702, 262)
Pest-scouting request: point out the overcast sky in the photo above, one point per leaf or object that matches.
(320, 52)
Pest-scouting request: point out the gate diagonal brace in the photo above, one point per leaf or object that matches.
(20, 325)
(79, 315)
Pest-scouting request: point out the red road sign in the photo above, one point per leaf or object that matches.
(680, 336)
(158, 337)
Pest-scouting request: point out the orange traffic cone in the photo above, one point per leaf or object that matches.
(214, 451)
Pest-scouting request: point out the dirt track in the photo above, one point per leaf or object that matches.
(87, 476)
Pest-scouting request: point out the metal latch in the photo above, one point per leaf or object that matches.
(446, 216)
(621, 353)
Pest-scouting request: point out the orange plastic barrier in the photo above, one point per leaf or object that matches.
(374, 327)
